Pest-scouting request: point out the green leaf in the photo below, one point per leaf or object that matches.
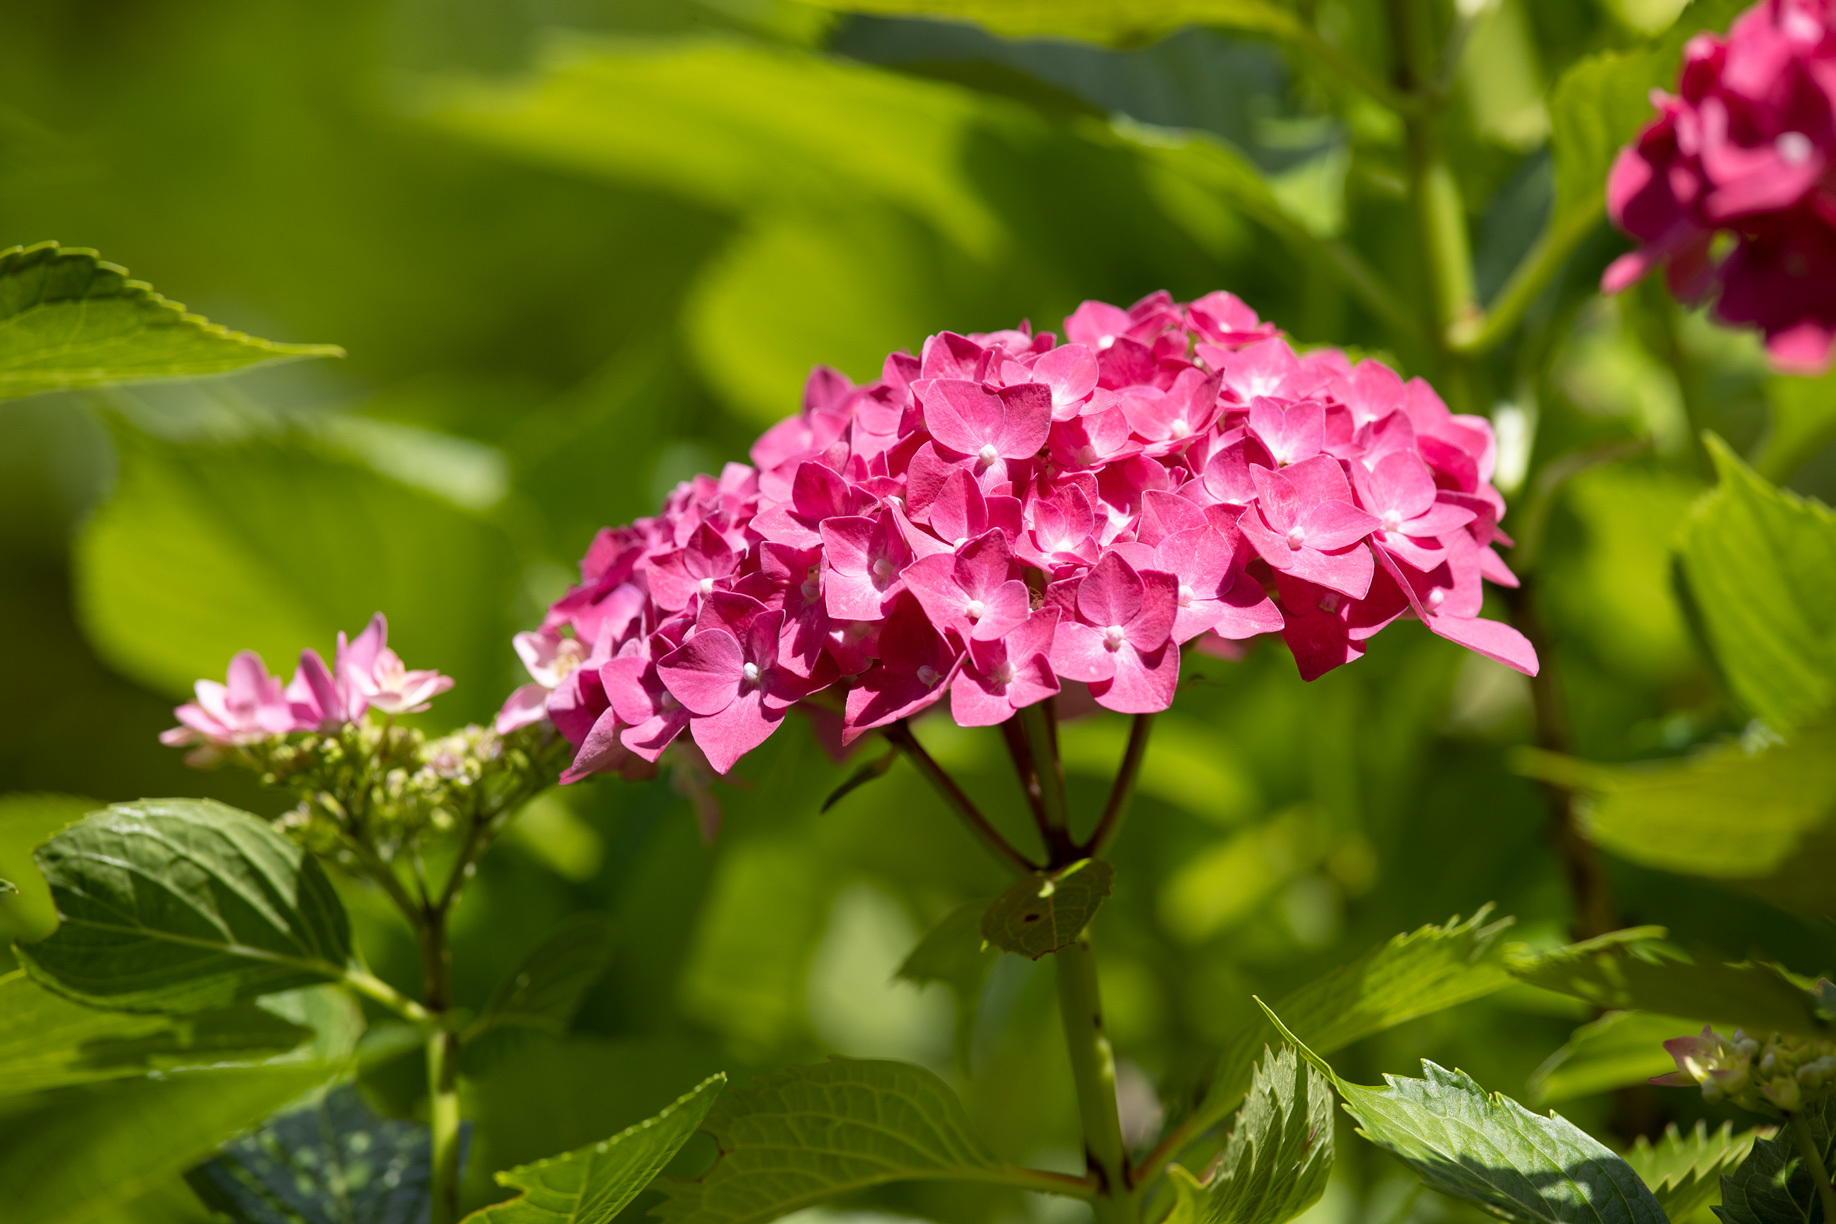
(1115, 22)
(1427, 970)
(1489, 1150)
(47, 1041)
(1684, 1172)
(67, 319)
(1634, 969)
(8, 888)
(1761, 567)
(546, 989)
(594, 1184)
(1803, 423)
(25, 822)
(1773, 1185)
(1620, 1048)
(184, 905)
(277, 546)
(871, 771)
(332, 1161)
(789, 1141)
(952, 952)
(1046, 911)
(1279, 1155)
(1674, 815)
(70, 1154)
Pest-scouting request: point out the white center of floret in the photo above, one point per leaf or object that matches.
(1004, 674)
(1180, 426)
(1437, 597)
(1392, 520)
(705, 586)
(927, 675)
(1114, 636)
(988, 454)
(974, 609)
(1794, 148)
(881, 568)
(751, 672)
(1185, 595)
(1297, 535)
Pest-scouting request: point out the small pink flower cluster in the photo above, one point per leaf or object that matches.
(1744, 148)
(252, 705)
(1004, 513)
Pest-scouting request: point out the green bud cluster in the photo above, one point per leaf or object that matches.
(1770, 1073)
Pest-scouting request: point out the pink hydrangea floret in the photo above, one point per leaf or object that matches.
(1003, 515)
(1745, 149)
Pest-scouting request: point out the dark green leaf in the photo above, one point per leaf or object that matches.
(1761, 567)
(47, 1041)
(1803, 423)
(1620, 1048)
(1489, 1150)
(1633, 969)
(792, 1140)
(1122, 22)
(184, 905)
(594, 1184)
(329, 1162)
(1046, 911)
(68, 1155)
(1684, 1172)
(952, 952)
(1773, 1185)
(1279, 1155)
(872, 770)
(546, 989)
(67, 319)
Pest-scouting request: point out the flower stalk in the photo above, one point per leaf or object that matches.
(1093, 1069)
(1813, 1160)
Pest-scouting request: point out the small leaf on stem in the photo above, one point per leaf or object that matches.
(1046, 911)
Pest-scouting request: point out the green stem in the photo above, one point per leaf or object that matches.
(1093, 1069)
(1813, 1160)
(372, 987)
(1042, 742)
(1300, 33)
(442, 1066)
(901, 735)
(1122, 789)
(1482, 332)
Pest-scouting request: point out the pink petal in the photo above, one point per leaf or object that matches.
(1110, 593)
(706, 672)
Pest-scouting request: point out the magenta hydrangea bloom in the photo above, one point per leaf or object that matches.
(1003, 516)
(1744, 148)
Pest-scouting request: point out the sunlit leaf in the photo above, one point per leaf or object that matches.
(1123, 22)
(1634, 969)
(1684, 1172)
(594, 1184)
(332, 1161)
(26, 821)
(1761, 566)
(1046, 911)
(1279, 1155)
(792, 1140)
(183, 905)
(68, 319)
(1489, 1150)
(1620, 1048)
(1774, 1185)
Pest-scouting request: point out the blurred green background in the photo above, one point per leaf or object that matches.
(580, 249)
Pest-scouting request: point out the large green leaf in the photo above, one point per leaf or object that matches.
(1680, 815)
(1620, 1048)
(184, 905)
(1279, 1155)
(1046, 911)
(594, 1184)
(1773, 1184)
(1427, 970)
(276, 546)
(67, 319)
(1684, 1171)
(545, 990)
(331, 1161)
(47, 1041)
(1121, 22)
(1489, 1150)
(1761, 566)
(72, 1153)
(792, 1140)
(26, 821)
(1634, 969)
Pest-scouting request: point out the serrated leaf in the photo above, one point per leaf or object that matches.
(546, 989)
(1424, 971)
(1761, 568)
(792, 1140)
(1113, 22)
(1674, 815)
(68, 319)
(183, 905)
(68, 1155)
(1489, 1150)
(1683, 1172)
(332, 1161)
(1620, 1048)
(1773, 1185)
(1635, 969)
(1045, 911)
(595, 1183)
(1278, 1158)
(47, 1041)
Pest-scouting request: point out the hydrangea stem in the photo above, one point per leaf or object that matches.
(1093, 1068)
(1042, 741)
(1124, 787)
(442, 1067)
(1813, 1160)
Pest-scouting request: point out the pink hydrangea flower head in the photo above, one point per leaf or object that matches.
(1744, 148)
